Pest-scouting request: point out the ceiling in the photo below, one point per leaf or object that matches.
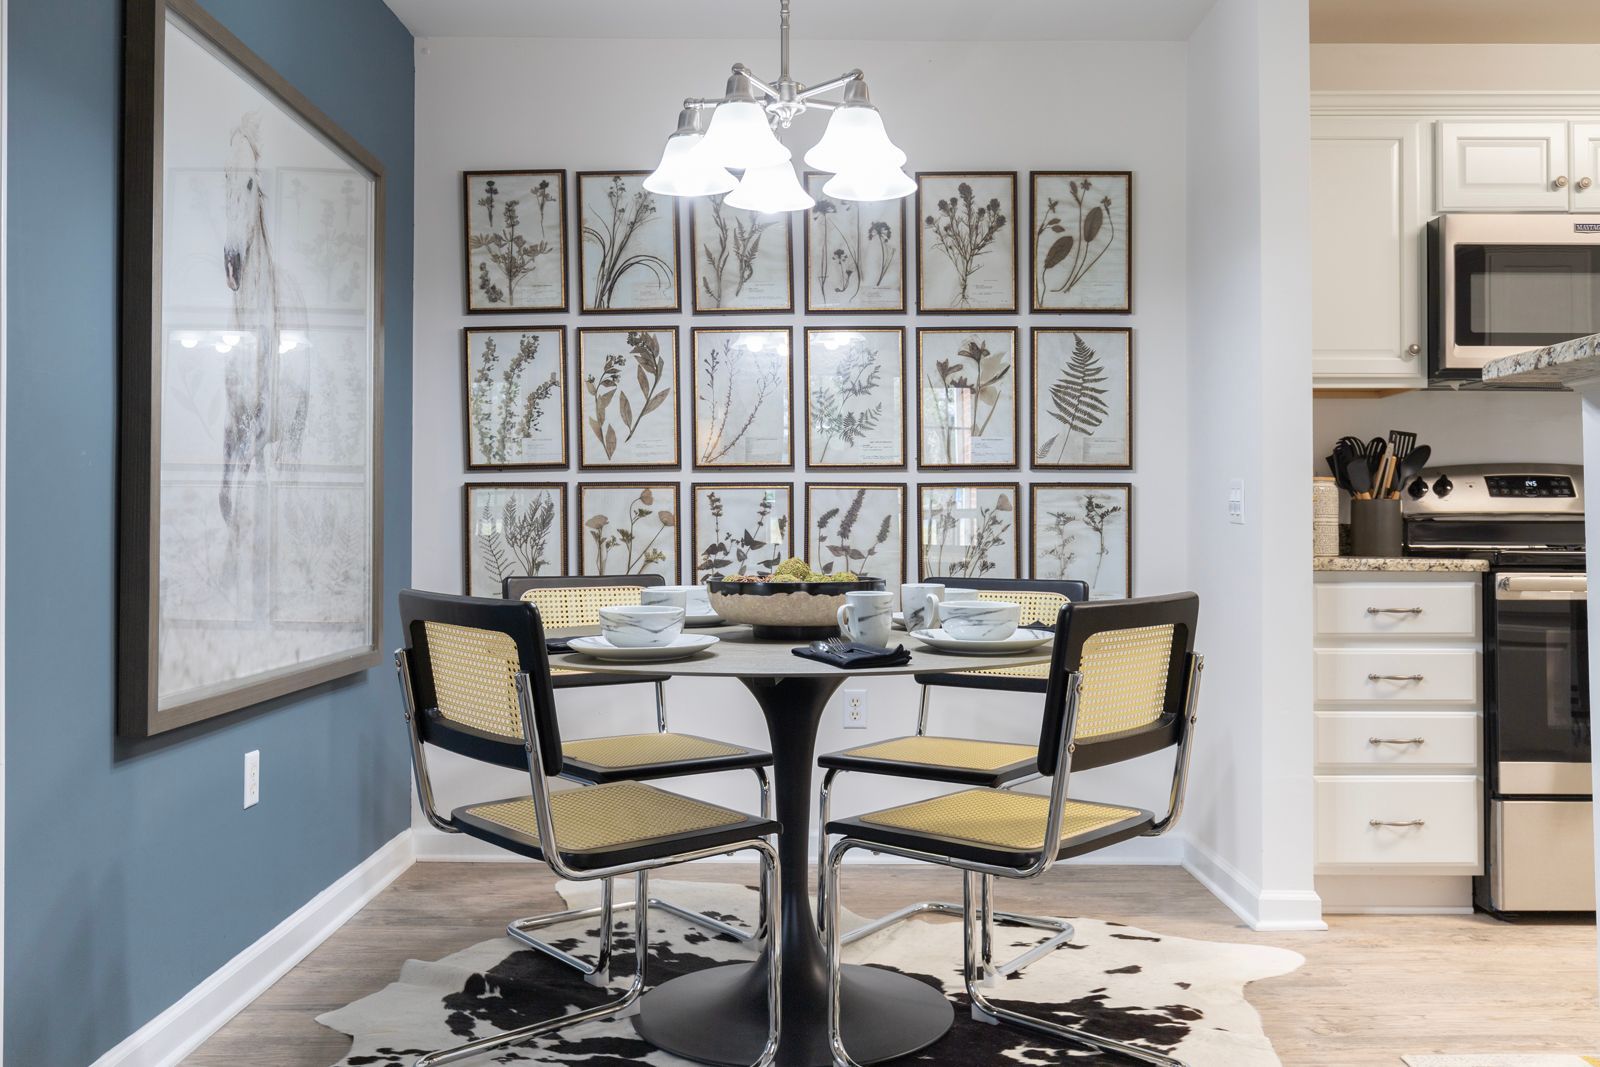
(1455, 21)
(882, 20)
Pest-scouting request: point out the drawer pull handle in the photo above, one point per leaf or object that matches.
(1396, 740)
(1390, 822)
(1394, 611)
(1394, 677)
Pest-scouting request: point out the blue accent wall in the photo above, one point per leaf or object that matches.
(132, 871)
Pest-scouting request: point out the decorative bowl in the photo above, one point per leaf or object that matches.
(786, 611)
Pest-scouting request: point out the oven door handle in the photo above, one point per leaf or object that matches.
(1541, 587)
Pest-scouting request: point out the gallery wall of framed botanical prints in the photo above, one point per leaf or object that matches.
(694, 390)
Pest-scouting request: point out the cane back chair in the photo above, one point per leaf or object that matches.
(961, 760)
(476, 681)
(568, 601)
(1123, 672)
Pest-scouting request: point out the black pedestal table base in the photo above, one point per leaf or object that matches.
(719, 1015)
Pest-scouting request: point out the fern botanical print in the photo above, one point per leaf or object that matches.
(857, 528)
(967, 397)
(741, 398)
(855, 390)
(1084, 532)
(516, 240)
(629, 398)
(1082, 398)
(968, 531)
(629, 252)
(514, 530)
(967, 242)
(516, 397)
(855, 252)
(740, 529)
(322, 236)
(742, 260)
(628, 529)
(1081, 237)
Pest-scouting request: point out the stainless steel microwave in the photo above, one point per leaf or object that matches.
(1502, 284)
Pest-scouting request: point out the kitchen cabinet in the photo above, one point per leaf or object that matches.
(1368, 211)
(1518, 165)
(1586, 166)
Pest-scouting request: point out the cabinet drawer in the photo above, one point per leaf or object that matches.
(1417, 609)
(1397, 675)
(1438, 817)
(1367, 741)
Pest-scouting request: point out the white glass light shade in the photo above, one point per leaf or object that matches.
(684, 170)
(854, 140)
(877, 183)
(739, 137)
(769, 190)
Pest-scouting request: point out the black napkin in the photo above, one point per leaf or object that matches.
(855, 655)
(557, 644)
(1046, 627)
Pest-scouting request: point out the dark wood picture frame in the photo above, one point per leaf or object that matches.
(803, 278)
(784, 489)
(1034, 305)
(671, 488)
(1016, 398)
(1038, 398)
(581, 424)
(560, 409)
(925, 211)
(787, 396)
(1125, 488)
(669, 211)
(1015, 489)
(139, 713)
(786, 221)
(894, 413)
(469, 283)
(803, 545)
(468, 536)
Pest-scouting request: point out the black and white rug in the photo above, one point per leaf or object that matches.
(1172, 994)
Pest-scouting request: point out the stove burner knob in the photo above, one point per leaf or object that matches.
(1443, 486)
(1418, 489)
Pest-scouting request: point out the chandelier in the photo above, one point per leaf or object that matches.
(737, 133)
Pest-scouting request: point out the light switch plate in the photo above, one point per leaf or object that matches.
(1236, 502)
(252, 778)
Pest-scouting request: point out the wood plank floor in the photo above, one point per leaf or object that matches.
(1373, 987)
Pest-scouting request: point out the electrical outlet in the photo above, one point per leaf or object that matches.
(1236, 502)
(855, 709)
(252, 778)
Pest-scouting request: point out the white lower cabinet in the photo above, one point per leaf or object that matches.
(1411, 821)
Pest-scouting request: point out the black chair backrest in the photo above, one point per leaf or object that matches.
(1008, 681)
(465, 654)
(1134, 656)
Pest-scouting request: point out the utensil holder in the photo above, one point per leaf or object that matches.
(1375, 528)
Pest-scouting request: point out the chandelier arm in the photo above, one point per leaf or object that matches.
(750, 76)
(830, 85)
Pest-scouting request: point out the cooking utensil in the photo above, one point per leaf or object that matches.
(1376, 449)
(1337, 472)
(1413, 464)
(1359, 477)
(1401, 442)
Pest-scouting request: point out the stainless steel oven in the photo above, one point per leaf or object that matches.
(1502, 284)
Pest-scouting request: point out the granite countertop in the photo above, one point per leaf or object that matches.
(1562, 364)
(1403, 564)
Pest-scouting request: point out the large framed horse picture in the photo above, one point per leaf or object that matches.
(251, 381)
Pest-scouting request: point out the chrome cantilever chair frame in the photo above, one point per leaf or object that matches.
(976, 897)
(540, 791)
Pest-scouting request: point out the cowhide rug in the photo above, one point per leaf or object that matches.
(1176, 995)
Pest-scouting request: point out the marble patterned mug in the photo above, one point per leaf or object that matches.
(867, 617)
(920, 603)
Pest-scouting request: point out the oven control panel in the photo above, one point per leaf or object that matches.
(1496, 490)
(1530, 485)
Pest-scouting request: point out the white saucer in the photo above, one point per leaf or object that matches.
(712, 619)
(1020, 641)
(683, 645)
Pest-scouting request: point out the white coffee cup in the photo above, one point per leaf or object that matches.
(673, 596)
(641, 625)
(979, 620)
(867, 617)
(952, 593)
(919, 601)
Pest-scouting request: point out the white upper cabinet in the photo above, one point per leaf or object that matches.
(1517, 165)
(1367, 215)
(1586, 166)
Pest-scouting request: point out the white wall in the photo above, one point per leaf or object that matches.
(485, 104)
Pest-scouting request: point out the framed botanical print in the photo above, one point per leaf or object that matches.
(967, 241)
(855, 397)
(743, 382)
(250, 382)
(516, 394)
(1082, 398)
(740, 528)
(968, 403)
(628, 398)
(513, 530)
(742, 260)
(628, 258)
(1084, 532)
(1080, 255)
(969, 531)
(855, 253)
(628, 529)
(516, 239)
(857, 528)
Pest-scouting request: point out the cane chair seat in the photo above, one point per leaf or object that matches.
(655, 755)
(960, 760)
(600, 826)
(995, 826)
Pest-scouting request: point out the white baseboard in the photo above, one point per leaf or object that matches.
(169, 1037)
(1260, 910)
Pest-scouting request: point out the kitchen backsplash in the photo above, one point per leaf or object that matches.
(1471, 427)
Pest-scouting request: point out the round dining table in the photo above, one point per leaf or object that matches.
(719, 1015)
